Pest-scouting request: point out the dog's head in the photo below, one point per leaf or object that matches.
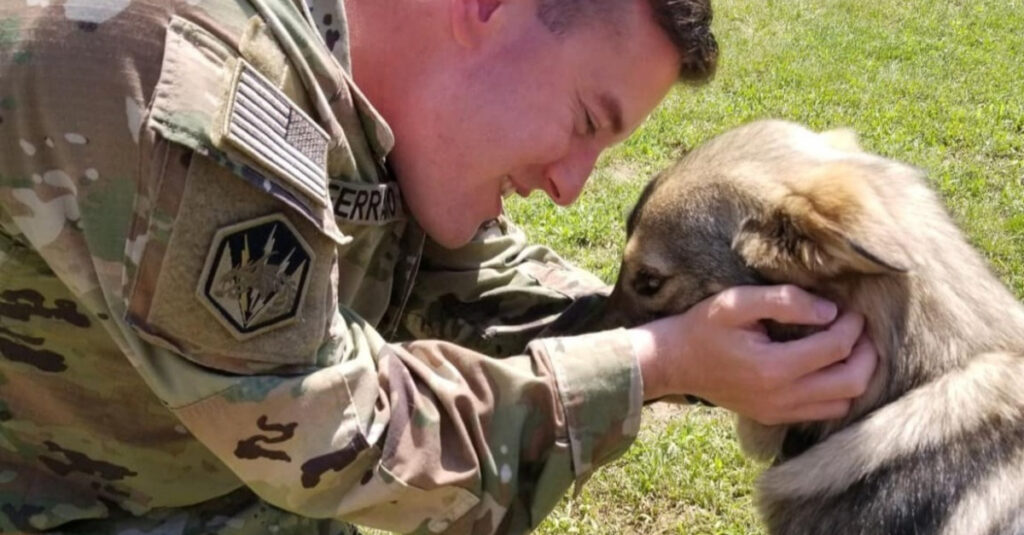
(767, 203)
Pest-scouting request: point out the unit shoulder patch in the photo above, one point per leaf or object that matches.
(256, 275)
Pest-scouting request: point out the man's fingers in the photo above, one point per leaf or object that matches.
(825, 410)
(809, 412)
(841, 381)
(743, 305)
(819, 350)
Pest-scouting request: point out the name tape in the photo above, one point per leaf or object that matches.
(367, 204)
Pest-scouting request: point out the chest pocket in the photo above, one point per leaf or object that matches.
(233, 256)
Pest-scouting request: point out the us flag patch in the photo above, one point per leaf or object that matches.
(268, 127)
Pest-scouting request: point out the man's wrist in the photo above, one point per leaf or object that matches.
(645, 348)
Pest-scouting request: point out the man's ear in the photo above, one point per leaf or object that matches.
(823, 225)
(470, 18)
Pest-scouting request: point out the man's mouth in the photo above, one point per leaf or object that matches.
(508, 188)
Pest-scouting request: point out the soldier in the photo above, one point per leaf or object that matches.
(233, 299)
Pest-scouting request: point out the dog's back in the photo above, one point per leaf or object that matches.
(947, 457)
(936, 445)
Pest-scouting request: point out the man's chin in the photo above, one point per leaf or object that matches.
(449, 220)
(452, 242)
(447, 233)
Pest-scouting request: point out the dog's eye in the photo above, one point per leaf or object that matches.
(646, 283)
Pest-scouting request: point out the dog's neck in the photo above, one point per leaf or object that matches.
(937, 317)
(924, 323)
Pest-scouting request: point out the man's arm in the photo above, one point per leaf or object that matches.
(716, 351)
(499, 292)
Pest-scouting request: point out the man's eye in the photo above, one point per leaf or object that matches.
(646, 283)
(591, 125)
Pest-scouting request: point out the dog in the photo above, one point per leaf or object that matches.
(936, 444)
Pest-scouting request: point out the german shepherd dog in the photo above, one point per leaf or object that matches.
(936, 444)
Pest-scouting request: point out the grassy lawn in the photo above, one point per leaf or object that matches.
(937, 83)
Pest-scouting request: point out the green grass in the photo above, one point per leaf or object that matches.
(684, 475)
(937, 83)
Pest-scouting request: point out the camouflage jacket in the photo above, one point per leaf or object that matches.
(216, 316)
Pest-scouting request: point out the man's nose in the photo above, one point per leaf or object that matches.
(564, 179)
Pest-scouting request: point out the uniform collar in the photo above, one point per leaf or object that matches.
(328, 69)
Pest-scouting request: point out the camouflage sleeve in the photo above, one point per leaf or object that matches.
(499, 292)
(174, 330)
(418, 437)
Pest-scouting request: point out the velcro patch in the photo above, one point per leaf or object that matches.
(367, 204)
(256, 275)
(267, 126)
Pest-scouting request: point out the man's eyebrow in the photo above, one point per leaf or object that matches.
(613, 110)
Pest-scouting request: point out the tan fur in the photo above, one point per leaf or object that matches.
(772, 202)
(842, 139)
(761, 442)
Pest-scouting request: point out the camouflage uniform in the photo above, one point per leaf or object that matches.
(209, 292)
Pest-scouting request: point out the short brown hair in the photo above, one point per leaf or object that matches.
(686, 22)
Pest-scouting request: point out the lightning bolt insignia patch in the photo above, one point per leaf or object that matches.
(256, 275)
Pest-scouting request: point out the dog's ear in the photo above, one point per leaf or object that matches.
(842, 139)
(826, 223)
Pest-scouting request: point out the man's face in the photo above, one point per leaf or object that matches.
(527, 109)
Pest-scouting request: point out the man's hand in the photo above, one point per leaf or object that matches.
(719, 351)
